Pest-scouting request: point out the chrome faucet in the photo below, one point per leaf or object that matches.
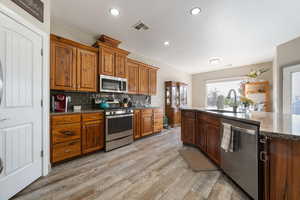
(235, 106)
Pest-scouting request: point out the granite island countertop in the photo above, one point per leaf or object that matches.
(97, 110)
(271, 124)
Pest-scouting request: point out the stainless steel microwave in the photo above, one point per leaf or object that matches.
(113, 84)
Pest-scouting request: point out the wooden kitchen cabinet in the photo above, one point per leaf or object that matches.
(282, 170)
(188, 127)
(86, 70)
(144, 80)
(202, 130)
(152, 82)
(73, 66)
(65, 137)
(92, 136)
(213, 142)
(121, 66)
(158, 118)
(107, 61)
(137, 124)
(146, 122)
(133, 76)
(63, 66)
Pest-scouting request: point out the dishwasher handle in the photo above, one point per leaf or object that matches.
(244, 130)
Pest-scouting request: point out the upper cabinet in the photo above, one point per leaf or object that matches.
(63, 66)
(133, 76)
(107, 61)
(73, 66)
(121, 68)
(86, 70)
(152, 81)
(112, 60)
(144, 80)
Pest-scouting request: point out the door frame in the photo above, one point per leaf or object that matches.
(45, 83)
(287, 86)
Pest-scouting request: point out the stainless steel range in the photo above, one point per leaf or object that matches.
(119, 128)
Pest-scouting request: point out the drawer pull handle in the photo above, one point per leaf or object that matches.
(67, 151)
(72, 143)
(263, 156)
(68, 133)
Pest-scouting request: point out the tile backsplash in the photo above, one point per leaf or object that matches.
(87, 99)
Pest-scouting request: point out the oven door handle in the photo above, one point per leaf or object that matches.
(119, 116)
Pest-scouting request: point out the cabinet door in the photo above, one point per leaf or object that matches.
(144, 80)
(213, 142)
(200, 136)
(137, 124)
(153, 81)
(146, 122)
(121, 67)
(63, 66)
(158, 118)
(92, 136)
(86, 71)
(107, 62)
(133, 77)
(188, 127)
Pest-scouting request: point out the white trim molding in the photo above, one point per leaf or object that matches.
(287, 87)
(45, 84)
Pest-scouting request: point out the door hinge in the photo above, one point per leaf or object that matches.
(42, 52)
(42, 103)
(42, 153)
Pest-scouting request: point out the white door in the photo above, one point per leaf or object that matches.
(20, 107)
(291, 91)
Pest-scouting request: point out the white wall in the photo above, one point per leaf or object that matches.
(166, 72)
(287, 54)
(199, 80)
(42, 26)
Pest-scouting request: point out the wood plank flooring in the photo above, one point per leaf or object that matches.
(150, 168)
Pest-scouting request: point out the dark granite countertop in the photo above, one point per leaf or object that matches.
(271, 124)
(95, 110)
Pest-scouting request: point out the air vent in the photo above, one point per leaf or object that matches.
(140, 26)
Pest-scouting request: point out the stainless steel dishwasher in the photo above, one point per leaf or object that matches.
(242, 165)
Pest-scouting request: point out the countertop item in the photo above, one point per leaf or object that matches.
(94, 110)
(271, 124)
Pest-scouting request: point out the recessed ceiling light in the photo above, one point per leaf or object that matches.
(167, 43)
(114, 12)
(214, 61)
(195, 11)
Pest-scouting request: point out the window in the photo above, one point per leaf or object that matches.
(291, 92)
(219, 90)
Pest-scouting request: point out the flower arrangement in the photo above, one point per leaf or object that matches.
(246, 101)
(257, 73)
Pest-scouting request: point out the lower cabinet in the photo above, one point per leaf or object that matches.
(147, 122)
(188, 127)
(282, 170)
(92, 133)
(76, 134)
(137, 124)
(202, 130)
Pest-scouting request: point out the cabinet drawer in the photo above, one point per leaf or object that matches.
(92, 116)
(147, 111)
(189, 114)
(209, 119)
(66, 150)
(65, 119)
(65, 133)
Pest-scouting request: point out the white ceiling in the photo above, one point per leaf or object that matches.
(240, 32)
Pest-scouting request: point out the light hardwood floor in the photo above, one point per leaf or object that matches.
(150, 168)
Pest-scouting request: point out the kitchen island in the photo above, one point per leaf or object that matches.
(278, 145)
